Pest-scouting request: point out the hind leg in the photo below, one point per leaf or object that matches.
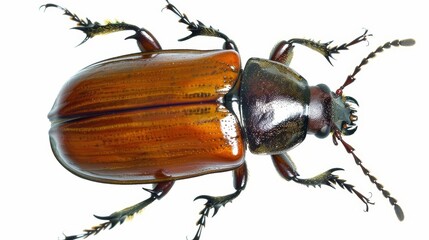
(145, 40)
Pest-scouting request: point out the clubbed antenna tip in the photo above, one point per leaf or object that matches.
(399, 212)
(407, 42)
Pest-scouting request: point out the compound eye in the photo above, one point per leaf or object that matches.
(323, 132)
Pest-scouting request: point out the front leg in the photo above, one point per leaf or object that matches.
(282, 52)
(287, 169)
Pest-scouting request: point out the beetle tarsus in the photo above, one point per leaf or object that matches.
(345, 46)
(72, 16)
(200, 29)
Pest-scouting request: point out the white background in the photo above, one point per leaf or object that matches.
(41, 200)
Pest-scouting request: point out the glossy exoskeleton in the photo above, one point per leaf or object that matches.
(162, 115)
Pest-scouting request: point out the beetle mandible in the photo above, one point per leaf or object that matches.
(158, 116)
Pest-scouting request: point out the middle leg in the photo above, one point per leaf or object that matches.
(215, 202)
(200, 29)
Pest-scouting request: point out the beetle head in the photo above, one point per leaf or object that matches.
(329, 112)
(344, 117)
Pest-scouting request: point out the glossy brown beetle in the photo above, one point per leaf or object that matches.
(164, 115)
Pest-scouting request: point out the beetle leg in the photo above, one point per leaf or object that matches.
(159, 191)
(200, 29)
(324, 48)
(145, 40)
(282, 52)
(215, 202)
(286, 168)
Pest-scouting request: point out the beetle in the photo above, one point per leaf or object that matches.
(158, 116)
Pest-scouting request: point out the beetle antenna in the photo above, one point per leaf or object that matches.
(398, 210)
(396, 43)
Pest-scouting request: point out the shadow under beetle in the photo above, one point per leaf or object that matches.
(162, 115)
